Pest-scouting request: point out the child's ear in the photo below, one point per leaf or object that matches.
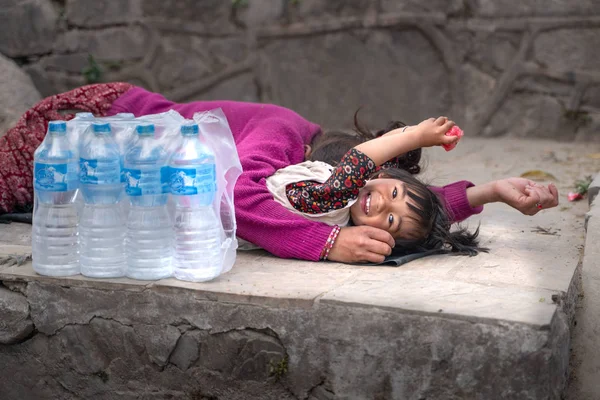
(382, 175)
(307, 151)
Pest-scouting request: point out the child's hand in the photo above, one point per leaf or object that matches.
(432, 132)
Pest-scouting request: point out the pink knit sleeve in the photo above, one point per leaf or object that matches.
(273, 144)
(455, 198)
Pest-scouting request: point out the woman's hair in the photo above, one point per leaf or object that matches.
(432, 218)
(331, 146)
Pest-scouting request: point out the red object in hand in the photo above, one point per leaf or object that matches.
(574, 196)
(454, 131)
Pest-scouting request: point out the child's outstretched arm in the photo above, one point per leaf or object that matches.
(431, 132)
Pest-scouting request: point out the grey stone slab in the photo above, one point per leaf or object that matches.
(594, 189)
(18, 94)
(509, 8)
(428, 296)
(25, 273)
(91, 13)
(586, 334)
(15, 323)
(263, 279)
(353, 80)
(110, 44)
(556, 49)
(28, 28)
(15, 234)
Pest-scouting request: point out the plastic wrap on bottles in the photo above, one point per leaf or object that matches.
(216, 135)
(219, 139)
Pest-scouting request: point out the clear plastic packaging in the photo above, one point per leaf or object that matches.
(215, 135)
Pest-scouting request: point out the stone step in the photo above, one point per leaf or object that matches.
(493, 326)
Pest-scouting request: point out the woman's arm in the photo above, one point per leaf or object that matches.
(521, 194)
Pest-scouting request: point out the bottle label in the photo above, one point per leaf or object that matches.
(88, 172)
(137, 182)
(55, 177)
(190, 181)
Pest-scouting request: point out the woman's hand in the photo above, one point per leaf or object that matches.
(432, 132)
(356, 244)
(521, 194)
(525, 195)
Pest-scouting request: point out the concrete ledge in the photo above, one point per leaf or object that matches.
(585, 359)
(495, 326)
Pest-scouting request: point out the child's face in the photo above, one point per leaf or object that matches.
(383, 203)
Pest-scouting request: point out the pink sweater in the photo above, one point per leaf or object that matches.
(268, 138)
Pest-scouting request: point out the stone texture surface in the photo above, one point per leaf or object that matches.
(15, 324)
(495, 326)
(91, 13)
(28, 27)
(345, 68)
(114, 44)
(17, 95)
(508, 8)
(486, 63)
(585, 359)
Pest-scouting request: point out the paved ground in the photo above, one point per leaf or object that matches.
(529, 280)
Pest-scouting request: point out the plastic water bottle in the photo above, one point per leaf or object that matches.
(101, 228)
(149, 228)
(54, 236)
(197, 227)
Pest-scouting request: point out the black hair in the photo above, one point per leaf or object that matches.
(331, 146)
(433, 220)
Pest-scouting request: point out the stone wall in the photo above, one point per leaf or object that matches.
(498, 67)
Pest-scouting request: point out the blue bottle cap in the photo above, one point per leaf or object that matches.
(125, 115)
(145, 130)
(84, 115)
(189, 129)
(100, 128)
(57, 127)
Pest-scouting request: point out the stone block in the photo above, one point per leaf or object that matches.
(28, 28)
(493, 52)
(259, 13)
(568, 49)
(476, 86)
(586, 334)
(110, 44)
(182, 59)
(73, 63)
(93, 13)
(159, 341)
(18, 93)
(209, 16)
(591, 97)
(443, 6)
(530, 115)
(15, 323)
(239, 88)
(307, 10)
(53, 82)
(593, 190)
(351, 71)
(539, 8)
(187, 350)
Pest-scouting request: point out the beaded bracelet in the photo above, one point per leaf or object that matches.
(330, 241)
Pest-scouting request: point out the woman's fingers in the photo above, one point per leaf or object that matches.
(554, 192)
(541, 197)
(361, 244)
(380, 235)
